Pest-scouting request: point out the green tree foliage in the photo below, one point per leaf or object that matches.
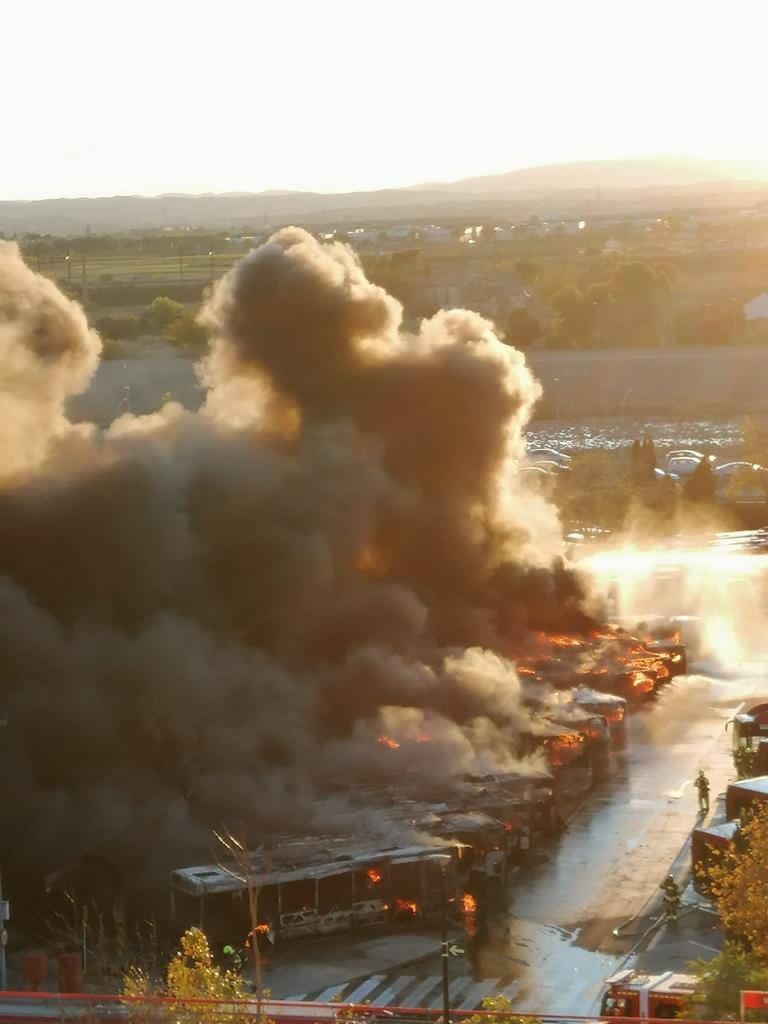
(161, 313)
(738, 881)
(575, 314)
(191, 974)
(522, 329)
(502, 1008)
(186, 332)
(755, 445)
(715, 323)
(701, 484)
(643, 462)
(595, 492)
(119, 327)
(745, 762)
(722, 979)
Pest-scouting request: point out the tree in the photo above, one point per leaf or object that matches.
(574, 325)
(738, 881)
(701, 484)
(162, 312)
(722, 979)
(119, 326)
(501, 1007)
(643, 462)
(522, 329)
(191, 974)
(719, 323)
(186, 332)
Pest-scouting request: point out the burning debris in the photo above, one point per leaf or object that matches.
(324, 575)
(608, 659)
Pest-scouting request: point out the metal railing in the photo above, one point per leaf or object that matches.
(109, 1009)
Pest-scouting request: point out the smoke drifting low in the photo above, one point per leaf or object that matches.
(216, 616)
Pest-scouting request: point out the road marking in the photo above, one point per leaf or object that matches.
(387, 996)
(332, 990)
(457, 988)
(362, 990)
(701, 945)
(423, 989)
(476, 993)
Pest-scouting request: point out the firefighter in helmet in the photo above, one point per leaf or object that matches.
(671, 901)
(702, 785)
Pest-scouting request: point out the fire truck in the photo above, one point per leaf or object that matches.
(647, 996)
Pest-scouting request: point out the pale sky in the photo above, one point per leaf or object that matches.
(102, 98)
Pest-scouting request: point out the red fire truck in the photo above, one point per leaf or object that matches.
(635, 994)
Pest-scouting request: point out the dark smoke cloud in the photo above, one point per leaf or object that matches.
(214, 617)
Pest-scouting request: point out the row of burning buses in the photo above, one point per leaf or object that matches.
(578, 690)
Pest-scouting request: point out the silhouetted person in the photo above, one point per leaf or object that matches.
(702, 785)
(671, 903)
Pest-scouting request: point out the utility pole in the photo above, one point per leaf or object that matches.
(445, 949)
(5, 913)
(83, 276)
(444, 954)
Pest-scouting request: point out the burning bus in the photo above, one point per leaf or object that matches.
(607, 659)
(320, 885)
(611, 707)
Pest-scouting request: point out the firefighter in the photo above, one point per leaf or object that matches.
(671, 902)
(702, 785)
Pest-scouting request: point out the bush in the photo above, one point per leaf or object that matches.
(161, 313)
(119, 327)
(186, 332)
(722, 979)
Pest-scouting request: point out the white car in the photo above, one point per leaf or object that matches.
(548, 455)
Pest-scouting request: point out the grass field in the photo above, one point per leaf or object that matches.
(133, 269)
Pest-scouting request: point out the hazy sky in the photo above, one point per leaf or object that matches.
(180, 95)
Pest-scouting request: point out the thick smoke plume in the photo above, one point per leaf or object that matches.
(226, 616)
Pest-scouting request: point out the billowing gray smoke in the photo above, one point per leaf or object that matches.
(214, 617)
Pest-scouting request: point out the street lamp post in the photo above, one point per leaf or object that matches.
(4, 915)
(444, 946)
(444, 954)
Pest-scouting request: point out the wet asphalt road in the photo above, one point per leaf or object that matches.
(619, 845)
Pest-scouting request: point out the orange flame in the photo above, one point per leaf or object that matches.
(560, 640)
(371, 561)
(641, 681)
(387, 741)
(406, 907)
(374, 875)
(468, 903)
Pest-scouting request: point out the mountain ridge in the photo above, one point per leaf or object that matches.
(597, 187)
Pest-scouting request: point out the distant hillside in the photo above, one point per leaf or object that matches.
(591, 188)
(641, 173)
